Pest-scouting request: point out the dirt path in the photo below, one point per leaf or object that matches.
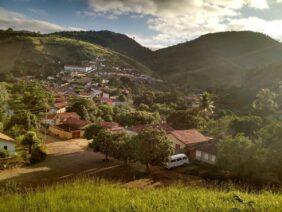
(65, 159)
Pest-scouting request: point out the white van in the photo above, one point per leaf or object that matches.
(177, 160)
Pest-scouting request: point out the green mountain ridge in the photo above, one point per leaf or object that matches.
(25, 53)
(118, 42)
(218, 59)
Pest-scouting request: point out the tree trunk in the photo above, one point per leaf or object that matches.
(148, 168)
(29, 149)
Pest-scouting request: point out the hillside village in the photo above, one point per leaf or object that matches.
(97, 112)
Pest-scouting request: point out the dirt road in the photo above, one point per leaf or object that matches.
(65, 159)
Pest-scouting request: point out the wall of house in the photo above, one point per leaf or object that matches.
(61, 133)
(11, 147)
(205, 157)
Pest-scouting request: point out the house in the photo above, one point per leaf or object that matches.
(185, 141)
(207, 152)
(7, 144)
(72, 127)
(112, 126)
(61, 118)
(72, 68)
(59, 107)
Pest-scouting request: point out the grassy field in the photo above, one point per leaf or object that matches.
(87, 195)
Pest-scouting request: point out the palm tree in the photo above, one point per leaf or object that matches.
(206, 104)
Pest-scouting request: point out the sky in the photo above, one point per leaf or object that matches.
(152, 23)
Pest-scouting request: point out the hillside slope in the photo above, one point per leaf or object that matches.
(217, 60)
(111, 40)
(87, 195)
(34, 54)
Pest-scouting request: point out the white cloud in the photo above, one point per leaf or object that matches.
(39, 12)
(177, 21)
(18, 21)
(272, 28)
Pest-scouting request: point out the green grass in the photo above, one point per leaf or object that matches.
(87, 195)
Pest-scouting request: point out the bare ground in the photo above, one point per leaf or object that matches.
(71, 158)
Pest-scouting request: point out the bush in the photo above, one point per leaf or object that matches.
(38, 154)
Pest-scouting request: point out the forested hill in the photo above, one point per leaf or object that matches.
(27, 53)
(218, 60)
(115, 41)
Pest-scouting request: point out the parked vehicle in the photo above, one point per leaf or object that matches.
(177, 160)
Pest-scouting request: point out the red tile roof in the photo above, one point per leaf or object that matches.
(76, 123)
(188, 137)
(67, 115)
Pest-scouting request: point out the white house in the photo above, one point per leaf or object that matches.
(207, 152)
(7, 143)
(71, 68)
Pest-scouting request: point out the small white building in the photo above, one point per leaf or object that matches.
(72, 68)
(7, 144)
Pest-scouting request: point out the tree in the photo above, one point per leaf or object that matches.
(85, 108)
(185, 119)
(206, 104)
(265, 103)
(105, 112)
(247, 125)
(92, 131)
(271, 139)
(153, 147)
(240, 156)
(137, 118)
(30, 96)
(4, 97)
(124, 147)
(30, 139)
(24, 120)
(104, 142)
(219, 128)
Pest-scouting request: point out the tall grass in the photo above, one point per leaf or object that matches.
(87, 195)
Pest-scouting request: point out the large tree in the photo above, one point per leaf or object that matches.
(247, 125)
(84, 107)
(265, 103)
(104, 142)
(240, 156)
(153, 147)
(185, 119)
(271, 136)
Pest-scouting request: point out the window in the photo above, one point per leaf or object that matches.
(172, 161)
(206, 156)
(179, 159)
(213, 158)
(184, 158)
(198, 154)
(5, 147)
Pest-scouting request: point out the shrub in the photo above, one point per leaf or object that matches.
(38, 154)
